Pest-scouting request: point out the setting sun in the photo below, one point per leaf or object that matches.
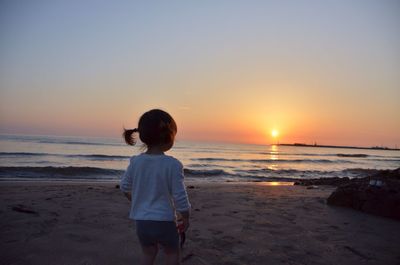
(274, 133)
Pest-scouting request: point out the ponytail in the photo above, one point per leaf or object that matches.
(128, 136)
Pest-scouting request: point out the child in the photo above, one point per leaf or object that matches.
(153, 182)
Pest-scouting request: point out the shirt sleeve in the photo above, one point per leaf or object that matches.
(181, 200)
(126, 179)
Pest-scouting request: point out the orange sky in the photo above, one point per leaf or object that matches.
(226, 72)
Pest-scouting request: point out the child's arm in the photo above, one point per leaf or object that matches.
(180, 196)
(126, 182)
(185, 219)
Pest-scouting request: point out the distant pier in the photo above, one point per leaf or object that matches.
(339, 146)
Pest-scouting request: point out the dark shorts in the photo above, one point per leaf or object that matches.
(151, 233)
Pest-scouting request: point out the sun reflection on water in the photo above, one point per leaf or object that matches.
(274, 153)
(276, 183)
(274, 156)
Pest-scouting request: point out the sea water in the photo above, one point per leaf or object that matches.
(69, 158)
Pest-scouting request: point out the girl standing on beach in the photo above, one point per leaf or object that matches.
(153, 182)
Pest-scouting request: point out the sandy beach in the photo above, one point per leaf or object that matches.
(232, 223)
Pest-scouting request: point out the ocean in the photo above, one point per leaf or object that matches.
(24, 157)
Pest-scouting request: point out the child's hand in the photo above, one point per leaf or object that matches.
(128, 195)
(186, 223)
(184, 218)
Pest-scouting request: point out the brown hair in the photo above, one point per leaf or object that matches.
(155, 127)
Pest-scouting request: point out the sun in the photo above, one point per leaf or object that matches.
(274, 133)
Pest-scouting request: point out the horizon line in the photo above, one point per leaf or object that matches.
(372, 147)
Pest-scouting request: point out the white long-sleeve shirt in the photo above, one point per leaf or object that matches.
(157, 187)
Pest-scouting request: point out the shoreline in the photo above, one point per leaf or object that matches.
(205, 179)
(332, 181)
(231, 223)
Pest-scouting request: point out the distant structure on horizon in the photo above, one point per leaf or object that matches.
(339, 146)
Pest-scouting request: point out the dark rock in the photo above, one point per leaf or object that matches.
(190, 187)
(379, 200)
(117, 186)
(388, 174)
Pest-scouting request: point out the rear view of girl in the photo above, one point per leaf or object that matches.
(154, 184)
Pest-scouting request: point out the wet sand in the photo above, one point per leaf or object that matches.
(231, 223)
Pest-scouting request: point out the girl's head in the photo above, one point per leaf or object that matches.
(156, 128)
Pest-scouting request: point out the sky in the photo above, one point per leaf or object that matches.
(315, 71)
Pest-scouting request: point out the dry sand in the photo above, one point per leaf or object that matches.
(246, 223)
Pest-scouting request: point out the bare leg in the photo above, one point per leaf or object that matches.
(149, 254)
(171, 256)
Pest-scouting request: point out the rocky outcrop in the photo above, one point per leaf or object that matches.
(378, 194)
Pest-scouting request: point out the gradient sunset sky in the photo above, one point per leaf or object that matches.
(316, 71)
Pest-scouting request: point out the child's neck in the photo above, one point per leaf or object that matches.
(155, 150)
